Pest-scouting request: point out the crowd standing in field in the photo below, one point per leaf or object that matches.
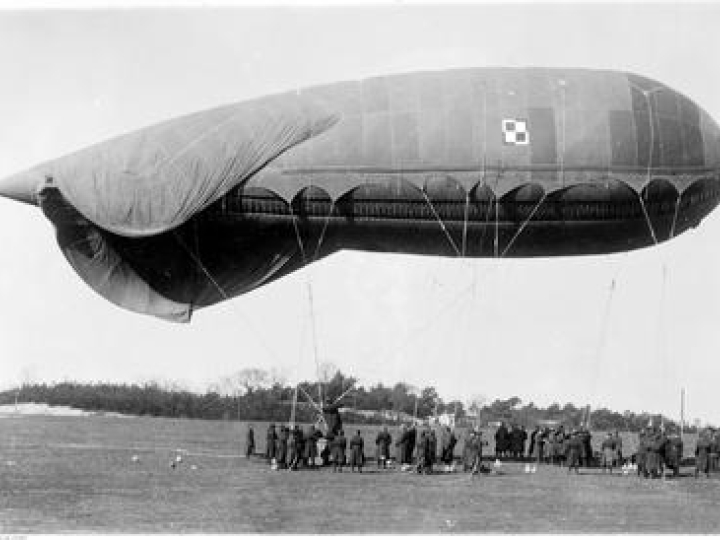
(428, 449)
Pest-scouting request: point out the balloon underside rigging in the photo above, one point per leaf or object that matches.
(473, 163)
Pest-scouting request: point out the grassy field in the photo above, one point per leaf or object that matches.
(76, 475)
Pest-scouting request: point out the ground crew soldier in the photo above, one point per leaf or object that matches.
(574, 451)
(382, 445)
(270, 440)
(448, 447)
(356, 452)
(477, 444)
(250, 441)
(282, 447)
(652, 455)
(412, 437)
(618, 449)
(339, 445)
(641, 453)
(674, 452)
(421, 452)
(703, 448)
(432, 450)
(401, 445)
(298, 448)
(608, 453)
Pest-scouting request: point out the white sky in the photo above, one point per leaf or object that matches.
(530, 328)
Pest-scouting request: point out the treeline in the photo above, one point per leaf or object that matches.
(254, 394)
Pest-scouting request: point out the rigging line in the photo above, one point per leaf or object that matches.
(301, 245)
(200, 265)
(225, 296)
(675, 216)
(465, 223)
(496, 200)
(421, 329)
(324, 229)
(311, 303)
(319, 409)
(602, 340)
(661, 326)
(352, 385)
(647, 219)
(525, 222)
(442, 224)
(294, 407)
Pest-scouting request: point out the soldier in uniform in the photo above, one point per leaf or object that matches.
(401, 445)
(282, 447)
(618, 449)
(421, 452)
(298, 448)
(477, 451)
(640, 454)
(310, 447)
(270, 440)
(448, 447)
(533, 438)
(703, 447)
(653, 449)
(574, 451)
(382, 445)
(250, 441)
(357, 452)
(674, 452)
(501, 441)
(338, 446)
(412, 438)
(431, 450)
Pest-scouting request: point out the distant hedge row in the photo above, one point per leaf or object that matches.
(273, 402)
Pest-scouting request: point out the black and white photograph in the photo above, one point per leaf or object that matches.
(341, 268)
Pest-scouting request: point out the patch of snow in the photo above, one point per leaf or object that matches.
(43, 409)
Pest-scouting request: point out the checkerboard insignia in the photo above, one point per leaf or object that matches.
(515, 131)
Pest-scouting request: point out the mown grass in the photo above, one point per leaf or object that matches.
(74, 475)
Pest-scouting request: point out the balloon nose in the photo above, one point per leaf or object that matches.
(21, 187)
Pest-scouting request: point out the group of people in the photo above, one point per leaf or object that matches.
(550, 445)
(289, 447)
(423, 448)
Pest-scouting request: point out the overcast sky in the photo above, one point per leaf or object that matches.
(531, 328)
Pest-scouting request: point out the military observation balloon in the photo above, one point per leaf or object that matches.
(471, 162)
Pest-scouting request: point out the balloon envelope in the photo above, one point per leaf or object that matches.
(471, 162)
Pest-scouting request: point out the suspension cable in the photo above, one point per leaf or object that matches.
(223, 293)
(675, 216)
(465, 223)
(442, 224)
(602, 340)
(647, 219)
(524, 223)
(201, 266)
(324, 229)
